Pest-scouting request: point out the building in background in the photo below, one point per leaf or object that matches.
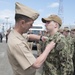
(37, 29)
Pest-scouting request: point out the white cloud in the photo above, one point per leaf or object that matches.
(54, 5)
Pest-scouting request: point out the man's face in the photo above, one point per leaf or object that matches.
(72, 33)
(65, 33)
(27, 25)
(50, 26)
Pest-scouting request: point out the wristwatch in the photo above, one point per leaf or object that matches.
(40, 38)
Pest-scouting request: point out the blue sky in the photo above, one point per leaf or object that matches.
(44, 7)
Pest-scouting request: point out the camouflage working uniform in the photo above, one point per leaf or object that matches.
(58, 61)
(74, 55)
(70, 43)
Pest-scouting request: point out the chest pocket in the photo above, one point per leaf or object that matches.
(60, 46)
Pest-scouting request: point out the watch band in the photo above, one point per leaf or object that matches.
(40, 38)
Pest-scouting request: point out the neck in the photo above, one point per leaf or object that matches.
(53, 32)
(18, 29)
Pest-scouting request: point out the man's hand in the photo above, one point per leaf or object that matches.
(40, 60)
(44, 38)
(51, 45)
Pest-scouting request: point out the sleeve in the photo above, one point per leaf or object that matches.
(26, 36)
(62, 47)
(23, 56)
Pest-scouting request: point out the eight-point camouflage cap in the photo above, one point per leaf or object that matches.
(73, 29)
(66, 29)
(24, 10)
(52, 18)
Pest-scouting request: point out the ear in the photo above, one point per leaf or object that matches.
(22, 22)
(56, 25)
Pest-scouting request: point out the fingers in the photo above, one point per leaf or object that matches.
(51, 45)
(44, 38)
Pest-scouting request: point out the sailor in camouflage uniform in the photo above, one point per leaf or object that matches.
(58, 61)
(66, 33)
(72, 33)
(60, 30)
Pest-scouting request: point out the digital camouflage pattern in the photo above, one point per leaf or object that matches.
(70, 42)
(59, 61)
(74, 55)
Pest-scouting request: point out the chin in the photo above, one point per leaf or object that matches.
(26, 30)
